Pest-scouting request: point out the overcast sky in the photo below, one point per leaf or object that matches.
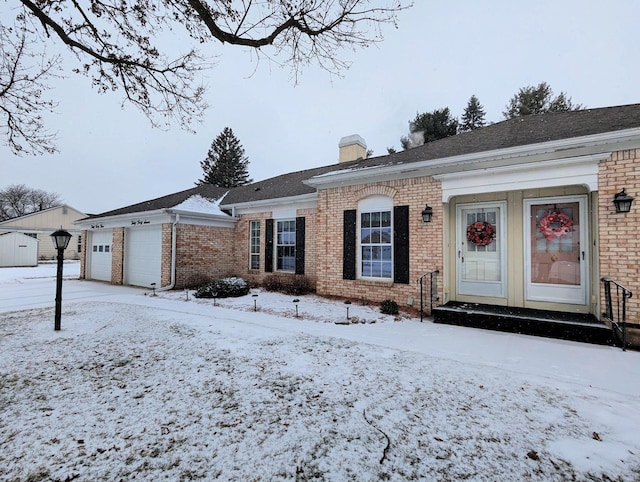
(441, 53)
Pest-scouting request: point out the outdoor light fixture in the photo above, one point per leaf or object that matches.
(60, 240)
(295, 302)
(427, 214)
(622, 201)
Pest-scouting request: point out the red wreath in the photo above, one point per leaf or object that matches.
(481, 234)
(555, 225)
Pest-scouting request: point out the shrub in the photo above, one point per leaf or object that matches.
(295, 285)
(223, 288)
(389, 307)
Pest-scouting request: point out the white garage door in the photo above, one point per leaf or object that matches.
(100, 255)
(143, 256)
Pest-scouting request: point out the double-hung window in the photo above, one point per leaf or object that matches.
(254, 245)
(286, 245)
(376, 248)
(376, 241)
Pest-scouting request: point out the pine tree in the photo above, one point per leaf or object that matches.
(429, 127)
(538, 100)
(226, 163)
(473, 117)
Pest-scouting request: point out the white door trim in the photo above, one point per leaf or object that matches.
(557, 293)
(493, 289)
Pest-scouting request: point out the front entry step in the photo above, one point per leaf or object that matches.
(550, 324)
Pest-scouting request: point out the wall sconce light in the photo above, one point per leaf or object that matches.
(427, 214)
(622, 201)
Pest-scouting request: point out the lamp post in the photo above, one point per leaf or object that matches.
(60, 240)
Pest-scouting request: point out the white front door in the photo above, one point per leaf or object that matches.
(556, 249)
(480, 250)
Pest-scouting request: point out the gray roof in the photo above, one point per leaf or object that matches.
(207, 191)
(521, 131)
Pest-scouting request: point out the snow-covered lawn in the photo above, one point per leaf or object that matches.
(137, 387)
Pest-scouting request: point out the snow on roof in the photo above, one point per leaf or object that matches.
(199, 204)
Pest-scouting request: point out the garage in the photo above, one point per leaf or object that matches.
(143, 256)
(100, 255)
(17, 249)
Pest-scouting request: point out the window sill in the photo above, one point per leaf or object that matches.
(374, 281)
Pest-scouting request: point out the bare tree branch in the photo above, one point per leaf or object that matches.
(122, 45)
(22, 103)
(17, 200)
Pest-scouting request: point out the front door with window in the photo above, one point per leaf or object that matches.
(480, 251)
(556, 250)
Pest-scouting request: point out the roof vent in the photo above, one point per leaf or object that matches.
(351, 148)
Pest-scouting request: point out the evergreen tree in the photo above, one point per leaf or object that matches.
(538, 100)
(473, 117)
(226, 163)
(429, 127)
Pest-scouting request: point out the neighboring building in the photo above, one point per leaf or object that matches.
(522, 217)
(17, 249)
(41, 224)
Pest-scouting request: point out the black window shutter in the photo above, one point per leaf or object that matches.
(268, 246)
(300, 239)
(349, 245)
(401, 244)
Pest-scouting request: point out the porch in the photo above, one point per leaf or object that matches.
(551, 324)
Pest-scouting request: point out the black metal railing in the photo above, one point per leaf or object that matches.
(616, 308)
(433, 291)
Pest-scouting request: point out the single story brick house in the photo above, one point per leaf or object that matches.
(522, 216)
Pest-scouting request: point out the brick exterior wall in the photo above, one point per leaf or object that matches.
(619, 243)
(425, 239)
(311, 245)
(243, 232)
(83, 256)
(203, 253)
(165, 256)
(117, 257)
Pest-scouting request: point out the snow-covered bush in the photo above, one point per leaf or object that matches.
(223, 288)
(389, 307)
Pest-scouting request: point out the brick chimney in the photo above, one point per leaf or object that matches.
(351, 148)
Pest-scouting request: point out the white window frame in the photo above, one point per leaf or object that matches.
(374, 204)
(254, 245)
(277, 244)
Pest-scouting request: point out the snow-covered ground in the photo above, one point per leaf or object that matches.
(137, 387)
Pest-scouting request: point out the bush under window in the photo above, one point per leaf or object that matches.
(295, 285)
(223, 288)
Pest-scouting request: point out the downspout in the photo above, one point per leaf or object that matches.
(174, 243)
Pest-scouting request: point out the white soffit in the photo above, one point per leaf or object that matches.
(582, 170)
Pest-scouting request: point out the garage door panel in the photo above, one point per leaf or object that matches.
(143, 256)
